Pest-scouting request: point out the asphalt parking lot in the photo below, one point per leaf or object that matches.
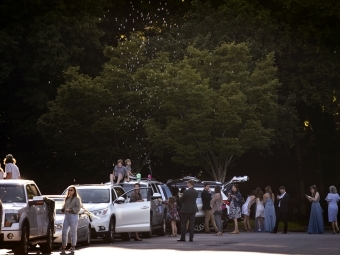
(248, 243)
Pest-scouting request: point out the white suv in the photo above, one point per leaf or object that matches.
(112, 212)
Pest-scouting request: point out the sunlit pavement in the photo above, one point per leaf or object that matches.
(244, 243)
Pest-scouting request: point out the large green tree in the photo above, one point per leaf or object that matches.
(212, 107)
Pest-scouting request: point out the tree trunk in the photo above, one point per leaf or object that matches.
(217, 168)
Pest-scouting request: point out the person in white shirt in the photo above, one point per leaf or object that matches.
(12, 171)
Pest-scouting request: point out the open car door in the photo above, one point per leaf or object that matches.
(132, 216)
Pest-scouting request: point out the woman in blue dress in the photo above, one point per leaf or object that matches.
(269, 210)
(315, 225)
(332, 200)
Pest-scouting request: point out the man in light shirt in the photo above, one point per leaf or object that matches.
(12, 171)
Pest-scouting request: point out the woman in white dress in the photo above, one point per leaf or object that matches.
(260, 212)
(246, 210)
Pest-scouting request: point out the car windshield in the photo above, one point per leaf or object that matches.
(94, 195)
(12, 193)
(58, 205)
(130, 187)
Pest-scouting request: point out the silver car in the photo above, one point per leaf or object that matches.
(84, 223)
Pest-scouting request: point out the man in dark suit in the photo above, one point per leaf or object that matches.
(188, 211)
(282, 210)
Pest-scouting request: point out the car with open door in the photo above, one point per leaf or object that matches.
(158, 194)
(112, 213)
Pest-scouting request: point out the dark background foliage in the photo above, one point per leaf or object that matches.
(41, 40)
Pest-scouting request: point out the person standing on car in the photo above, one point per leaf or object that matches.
(12, 171)
(136, 196)
(119, 171)
(216, 205)
(71, 208)
(209, 216)
(189, 209)
(235, 199)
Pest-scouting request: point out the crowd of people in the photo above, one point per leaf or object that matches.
(182, 207)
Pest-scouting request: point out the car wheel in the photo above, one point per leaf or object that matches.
(87, 242)
(199, 227)
(48, 246)
(149, 233)
(22, 247)
(126, 236)
(162, 230)
(110, 236)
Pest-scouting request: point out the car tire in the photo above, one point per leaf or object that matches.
(162, 230)
(149, 233)
(22, 247)
(48, 246)
(126, 236)
(199, 227)
(87, 242)
(110, 236)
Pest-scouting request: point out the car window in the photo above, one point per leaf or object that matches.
(113, 193)
(94, 195)
(12, 194)
(34, 190)
(30, 193)
(130, 186)
(153, 188)
(119, 191)
(166, 191)
(58, 205)
(143, 190)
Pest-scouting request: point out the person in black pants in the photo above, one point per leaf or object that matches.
(282, 210)
(188, 211)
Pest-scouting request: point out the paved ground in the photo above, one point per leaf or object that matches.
(244, 243)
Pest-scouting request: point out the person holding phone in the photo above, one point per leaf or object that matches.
(316, 225)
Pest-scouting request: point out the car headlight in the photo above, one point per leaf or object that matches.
(59, 226)
(101, 212)
(11, 218)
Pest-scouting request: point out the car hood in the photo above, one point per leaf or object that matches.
(13, 206)
(95, 207)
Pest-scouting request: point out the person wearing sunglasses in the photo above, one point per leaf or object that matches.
(71, 208)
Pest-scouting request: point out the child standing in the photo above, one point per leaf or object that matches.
(173, 216)
(260, 212)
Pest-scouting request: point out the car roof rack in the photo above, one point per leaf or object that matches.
(184, 179)
(238, 179)
(212, 182)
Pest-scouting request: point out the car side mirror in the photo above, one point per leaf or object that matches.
(120, 200)
(156, 196)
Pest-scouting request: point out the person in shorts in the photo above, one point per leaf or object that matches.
(119, 171)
